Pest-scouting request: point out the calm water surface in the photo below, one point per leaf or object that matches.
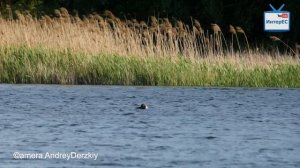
(183, 127)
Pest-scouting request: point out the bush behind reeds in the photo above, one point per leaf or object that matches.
(44, 66)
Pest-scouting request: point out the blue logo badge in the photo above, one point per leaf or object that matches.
(277, 20)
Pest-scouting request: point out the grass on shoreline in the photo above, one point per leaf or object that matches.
(46, 66)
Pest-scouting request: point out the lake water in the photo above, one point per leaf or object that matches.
(183, 127)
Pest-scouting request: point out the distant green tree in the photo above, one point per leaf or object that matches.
(33, 6)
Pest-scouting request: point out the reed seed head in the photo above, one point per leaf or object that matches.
(48, 19)
(108, 14)
(197, 24)
(179, 25)
(64, 12)
(174, 32)
(135, 21)
(28, 17)
(111, 23)
(99, 18)
(143, 25)
(232, 29)
(154, 21)
(239, 29)
(129, 23)
(166, 20)
(215, 28)
(167, 23)
(77, 19)
(274, 38)
(57, 13)
(196, 31)
(19, 15)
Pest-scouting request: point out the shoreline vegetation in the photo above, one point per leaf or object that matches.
(102, 49)
(45, 66)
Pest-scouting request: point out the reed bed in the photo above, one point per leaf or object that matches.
(102, 49)
(46, 66)
(108, 34)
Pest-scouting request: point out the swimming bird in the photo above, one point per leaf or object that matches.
(143, 107)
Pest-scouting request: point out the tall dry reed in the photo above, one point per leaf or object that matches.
(107, 34)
